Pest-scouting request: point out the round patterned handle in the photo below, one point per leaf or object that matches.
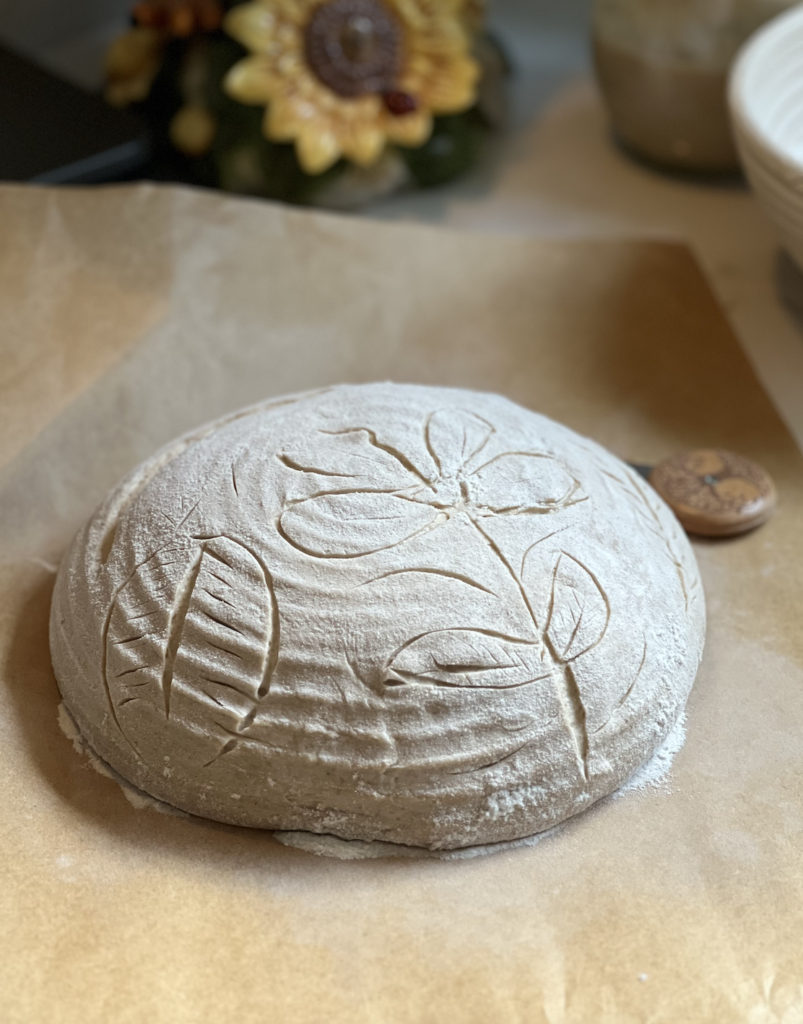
(715, 493)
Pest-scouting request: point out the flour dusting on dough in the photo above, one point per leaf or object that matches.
(654, 774)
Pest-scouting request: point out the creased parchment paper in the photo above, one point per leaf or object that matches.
(129, 315)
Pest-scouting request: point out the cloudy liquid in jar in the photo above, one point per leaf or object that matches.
(663, 69)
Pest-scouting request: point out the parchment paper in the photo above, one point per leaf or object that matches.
(131, 314)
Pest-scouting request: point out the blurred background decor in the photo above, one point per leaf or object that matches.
(335, 103)
(663, 67)
(551, 170)
(766, 96)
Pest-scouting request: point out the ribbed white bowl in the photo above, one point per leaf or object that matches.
(766, 100)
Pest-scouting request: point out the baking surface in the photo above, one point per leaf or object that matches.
(132, 314)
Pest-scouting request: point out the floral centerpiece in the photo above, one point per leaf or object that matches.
(329, 101)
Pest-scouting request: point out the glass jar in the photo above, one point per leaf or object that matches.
(663, 68)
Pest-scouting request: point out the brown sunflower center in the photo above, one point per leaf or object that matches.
(354, 46)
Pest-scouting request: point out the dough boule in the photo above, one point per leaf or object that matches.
(383, 612)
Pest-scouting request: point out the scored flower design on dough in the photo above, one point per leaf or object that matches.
(402, 500)
(464, 478)
(384, 591)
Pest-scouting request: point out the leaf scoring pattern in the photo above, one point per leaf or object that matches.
(228, 626)
(580, 612)
(469, 658)
(218, 642)
(348, 525)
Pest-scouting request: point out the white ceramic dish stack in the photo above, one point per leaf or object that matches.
(766, 99)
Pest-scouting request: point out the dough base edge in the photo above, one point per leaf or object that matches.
(653, 774)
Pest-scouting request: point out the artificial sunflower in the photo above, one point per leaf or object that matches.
(341, 78)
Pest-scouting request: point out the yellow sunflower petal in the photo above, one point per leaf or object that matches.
(411, 14)
(133, 53)
(253, 25)
(317, 149)
(295, 11)
(366, 144)
(472, 14)
(443, 44)
(451, 88)
(423, 15)
(252, 80)
(357, 111)
(411, 129)
(286, 117)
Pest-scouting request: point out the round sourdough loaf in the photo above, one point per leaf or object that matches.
(383, 612)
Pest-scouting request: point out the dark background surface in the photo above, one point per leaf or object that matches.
(54, 132)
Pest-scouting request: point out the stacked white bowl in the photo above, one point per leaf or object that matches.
(766, 99)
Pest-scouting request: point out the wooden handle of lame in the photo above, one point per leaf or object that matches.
(715, 493)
